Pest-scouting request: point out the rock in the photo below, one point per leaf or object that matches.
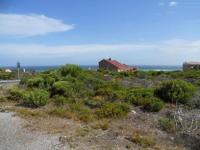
(133, 111)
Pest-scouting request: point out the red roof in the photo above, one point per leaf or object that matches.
(118, 64)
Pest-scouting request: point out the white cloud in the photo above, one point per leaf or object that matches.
(173, 3)
(30, 25)
(171, 52)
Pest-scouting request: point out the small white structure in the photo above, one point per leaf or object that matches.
(8, 70)
(191, 66)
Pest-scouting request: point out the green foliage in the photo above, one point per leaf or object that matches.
(60, 87)
(139, 96)
(48, 81)
(61, 100)
(106, 92)
(37, 82)
(94, 103)
(193, 74)
(176, 90)
(15, 94)
(6, 75)
(87, 94)
(167, 124)
(153, 105)
(94, 83)
(72, 70)
(113, 110)
(144, 98)
(36, 97)
(82, 112)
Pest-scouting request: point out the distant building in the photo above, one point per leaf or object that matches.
(191, 66)
(114, 65)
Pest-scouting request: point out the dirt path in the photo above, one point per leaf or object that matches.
(14, 137)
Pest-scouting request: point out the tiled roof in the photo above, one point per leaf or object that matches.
(118, 64)
(192, 63)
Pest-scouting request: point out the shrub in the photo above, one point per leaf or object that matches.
(153, 105)
(48, 81)
(94, 83)
(60, 100)
(167, 124)
(106, 92)
(60, 87)
(72, 70)
(6, 75)
(176, 90)
(120, 94)
(113, 110)
(35, 82)
(82, 112)
(15, 94)
(36, 97)
(139, 96)
(144, 141)
(93, 103)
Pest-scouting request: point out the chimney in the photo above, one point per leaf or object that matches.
(109, 59)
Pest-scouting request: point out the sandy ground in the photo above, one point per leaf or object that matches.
(14, 137)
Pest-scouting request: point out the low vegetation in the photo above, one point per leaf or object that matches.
(145, 98)
(92, 95)
(144, 141)
(167, 124)
(101, 101)
(6, 75)
(176, 90)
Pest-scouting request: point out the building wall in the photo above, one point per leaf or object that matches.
(107, 66)
(191, 66)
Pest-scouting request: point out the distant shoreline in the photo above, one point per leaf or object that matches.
(95, 67)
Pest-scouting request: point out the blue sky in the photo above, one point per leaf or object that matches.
(149, 32)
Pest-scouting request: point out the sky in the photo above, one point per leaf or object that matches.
(135, 32)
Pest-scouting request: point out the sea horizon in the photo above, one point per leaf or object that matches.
(41, 68)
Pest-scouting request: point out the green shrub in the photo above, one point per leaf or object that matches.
(176, 90)
(113, 110)
(15, 94)
(167, 124)
(72, 70)
(60, 87)
(120, 94)
(93, 103)
(6, 75)
(82, 112)
(36, 97)
(35, 82)
(153, 105)
(139, 96)
(94, 83)
(48, 81)
(106, 92)
(61, 100)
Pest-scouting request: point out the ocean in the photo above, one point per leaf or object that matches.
(93, 67)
